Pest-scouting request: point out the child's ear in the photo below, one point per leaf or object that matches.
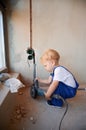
(53, 62)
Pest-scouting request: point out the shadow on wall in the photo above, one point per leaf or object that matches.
(13, 2)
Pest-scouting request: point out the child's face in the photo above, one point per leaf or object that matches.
(48, 65)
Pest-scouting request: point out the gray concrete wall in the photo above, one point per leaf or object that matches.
(57, 24)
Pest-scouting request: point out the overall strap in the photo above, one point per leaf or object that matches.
(52, 74)
(77, 84)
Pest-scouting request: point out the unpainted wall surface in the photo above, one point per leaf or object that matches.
(57, 24)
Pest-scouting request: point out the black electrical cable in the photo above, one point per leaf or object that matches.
(65, 104)
(63, 114)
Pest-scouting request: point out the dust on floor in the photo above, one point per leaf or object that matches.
(36, 114)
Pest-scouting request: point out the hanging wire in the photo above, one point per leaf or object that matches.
(30, 23)
(28, 63)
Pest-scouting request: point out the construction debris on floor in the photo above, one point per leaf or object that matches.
(21, 112)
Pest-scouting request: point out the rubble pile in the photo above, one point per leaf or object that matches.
(19, 112)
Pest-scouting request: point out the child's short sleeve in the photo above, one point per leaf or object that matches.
(61, 74)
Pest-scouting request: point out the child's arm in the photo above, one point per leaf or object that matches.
(51, 89)
(46, 81)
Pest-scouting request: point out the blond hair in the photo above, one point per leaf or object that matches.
(49, 55)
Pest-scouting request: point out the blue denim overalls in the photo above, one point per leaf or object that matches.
(63, 90)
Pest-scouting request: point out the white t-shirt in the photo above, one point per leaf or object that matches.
(63, 75)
